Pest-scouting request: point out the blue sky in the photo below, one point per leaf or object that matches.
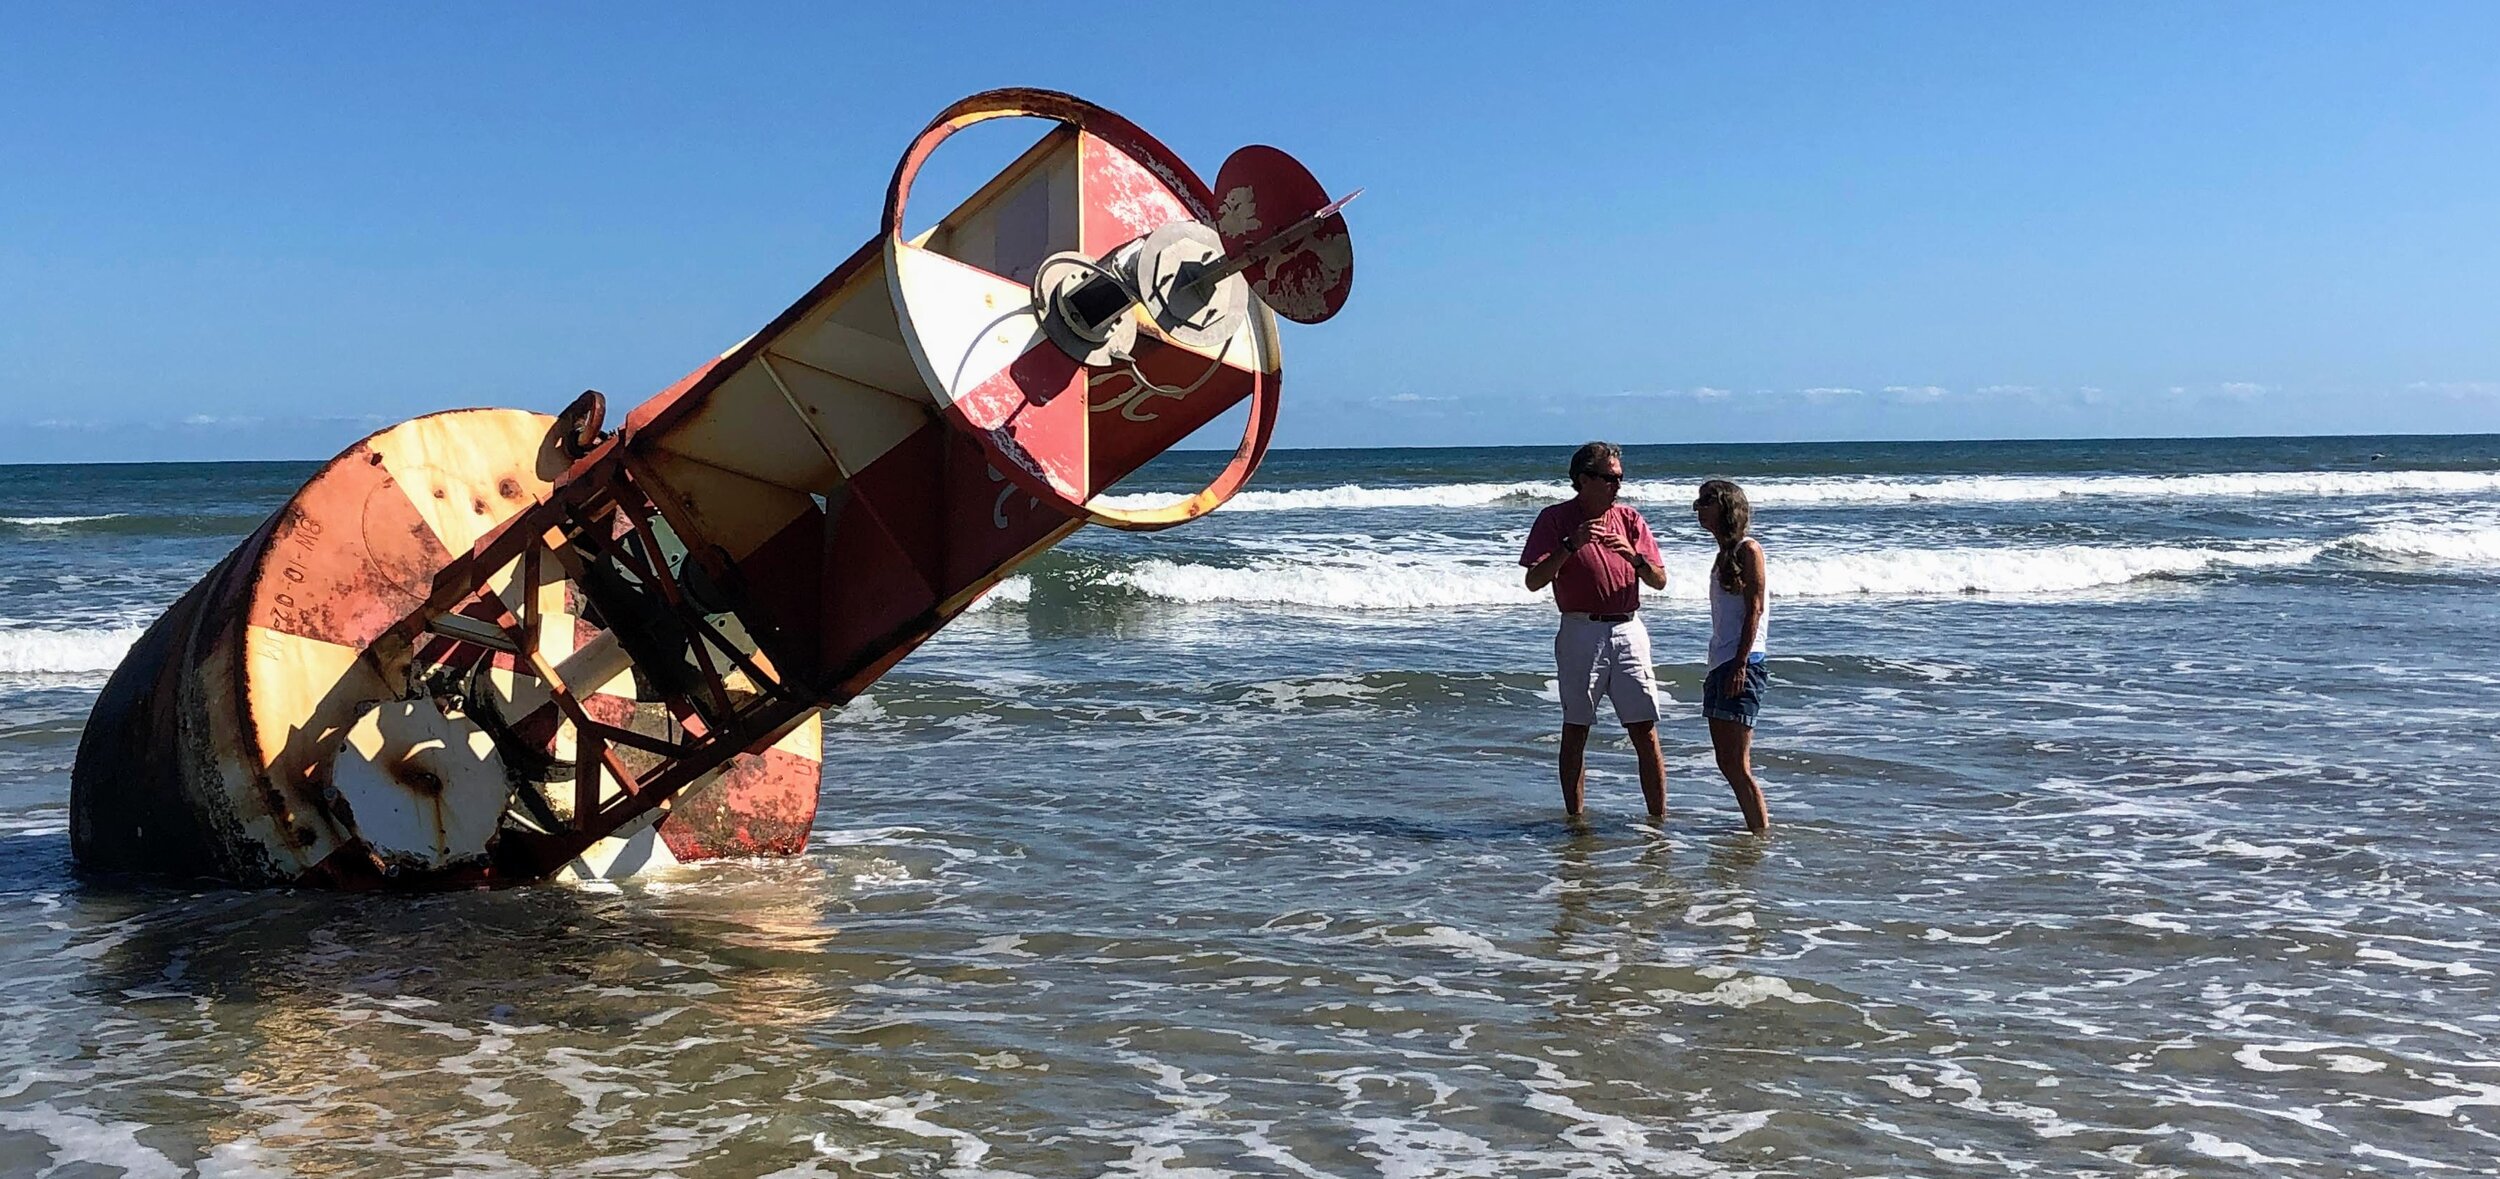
(261, 231)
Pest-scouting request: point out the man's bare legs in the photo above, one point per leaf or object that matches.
(1644, 734)
(1733, 743)
(1575, 744)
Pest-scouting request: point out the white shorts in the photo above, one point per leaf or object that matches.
(1610, 660)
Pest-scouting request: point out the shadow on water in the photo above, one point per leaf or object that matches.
(36, 862)
(551, 955)
(1733, 857)
(1599, 889)
(1606, 882)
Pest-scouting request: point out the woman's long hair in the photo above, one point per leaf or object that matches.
(1735, 516)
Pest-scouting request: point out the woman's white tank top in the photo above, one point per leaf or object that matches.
(1727, 613)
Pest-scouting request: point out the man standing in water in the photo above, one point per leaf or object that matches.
(1597, 554)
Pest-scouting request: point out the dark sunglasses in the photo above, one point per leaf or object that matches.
(1610, 478)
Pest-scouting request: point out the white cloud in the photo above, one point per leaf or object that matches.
(1915, 394)
(1696, 393)
(1822, 393)
(2244, 390)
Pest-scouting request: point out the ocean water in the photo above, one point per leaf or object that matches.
(2137, 812)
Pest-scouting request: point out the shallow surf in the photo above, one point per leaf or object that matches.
(2117, 835)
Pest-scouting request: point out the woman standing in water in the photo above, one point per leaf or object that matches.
(1740, 621)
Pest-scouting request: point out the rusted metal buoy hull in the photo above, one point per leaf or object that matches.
(279, 725)
(131, 806)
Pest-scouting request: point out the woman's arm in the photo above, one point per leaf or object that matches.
(1757, 598)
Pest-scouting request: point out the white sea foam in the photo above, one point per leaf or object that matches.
(2392, 958)
(1354, 495)
(2027, 488)
(62, 652)
(55, 521)
(77, 1136)
(2214, 1146)
(1409, 581)
(1854, 490)
(1740, 991)
(1014, 591)
(2444, 544)
(1348, 582)
(903, 1114)
(2056, 569)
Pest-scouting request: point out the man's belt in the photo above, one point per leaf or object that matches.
(1601, 617)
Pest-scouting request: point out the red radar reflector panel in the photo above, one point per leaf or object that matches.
(1269, 205)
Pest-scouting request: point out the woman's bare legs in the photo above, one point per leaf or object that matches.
(1733, 743)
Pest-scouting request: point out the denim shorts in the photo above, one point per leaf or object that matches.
(1741, 707)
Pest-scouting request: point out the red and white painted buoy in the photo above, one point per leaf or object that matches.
(491, 645)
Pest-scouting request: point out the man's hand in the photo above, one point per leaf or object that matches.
(1620, 544)
(1736, 679)
(1602, 534)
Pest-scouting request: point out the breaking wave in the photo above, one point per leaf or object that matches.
(1873, 491)
(54, 521)
(2416, 544)
(1356, 496)
(1341, 584)
(64, 652)
(129, 524)
(2028, 488)
(1408, 581)
(1014, 591)
(2053, 570)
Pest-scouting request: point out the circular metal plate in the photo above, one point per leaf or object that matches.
(1260, 192)
(426, 787)
(1168, 266)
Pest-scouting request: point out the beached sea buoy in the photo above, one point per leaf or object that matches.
(490, 645)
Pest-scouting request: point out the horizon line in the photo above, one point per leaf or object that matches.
(1507, 446)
